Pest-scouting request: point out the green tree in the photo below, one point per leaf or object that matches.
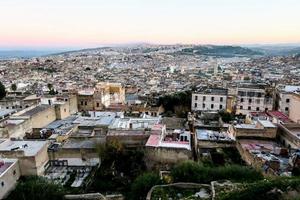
(50, 86)
(36, 188)
(2, 91)
(13, 87)
(142, 184)
(52, 92)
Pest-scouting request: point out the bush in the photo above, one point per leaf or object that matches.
(142, 184)
(194, 172)
(35, 188)
(262, 190)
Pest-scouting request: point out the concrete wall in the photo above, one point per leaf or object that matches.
(85, 102)
(16, 131)
(43, 118)
(160, 155)
(73, 104)
(294, 113)
(62, 111)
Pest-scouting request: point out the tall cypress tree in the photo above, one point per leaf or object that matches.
(2, 91)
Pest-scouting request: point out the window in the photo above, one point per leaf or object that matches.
(242, 99)
(2, 184)
(65, 110)
(98, 104)
(241, 93)
(196, 97)
(221, 107)
(203, 105)
(287, 100)
(212, 106)
(250, 94)
(14, 172)
(241, 107)
(250, 100)
(81, 103)
(257, 108)
(286, 109)
(258, 94)
(212, 98)
(257, 101)
(266, 109)
(221, 99)
(85, 103)
(204, 98)
(195, 105)
(249, 107)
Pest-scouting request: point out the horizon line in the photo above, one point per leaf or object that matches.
(70, 48)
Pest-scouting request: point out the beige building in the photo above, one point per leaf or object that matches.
(260, 129)
(32, 155)
(9, 175)
(294, 113)
(35, 117)
(102, 96)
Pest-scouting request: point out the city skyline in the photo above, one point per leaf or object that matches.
(91, 23)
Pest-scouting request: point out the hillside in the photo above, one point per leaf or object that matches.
(220, 51)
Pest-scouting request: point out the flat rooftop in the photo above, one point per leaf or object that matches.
(35, 110)
(6, 163)
(5, 112)
(156, 141)
(214, 91)
(94, 121)
(79, 144)
(30, 147)
(134, 123)
(204, 134)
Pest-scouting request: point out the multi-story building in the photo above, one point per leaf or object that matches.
(294, 113)
(101, 97)
(9, 175)
(285, 95)
(253, 98)
(209, 99)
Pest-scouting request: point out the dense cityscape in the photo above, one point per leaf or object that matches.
(118, 122)
(150, 100)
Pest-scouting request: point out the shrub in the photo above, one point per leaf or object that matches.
(195, 172)
(142, 184)
(34, 188)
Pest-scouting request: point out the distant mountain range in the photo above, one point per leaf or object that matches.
(272, 50)
(207, 50)
(10, 54)
(220, 51)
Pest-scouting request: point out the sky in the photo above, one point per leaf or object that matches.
(92, 23)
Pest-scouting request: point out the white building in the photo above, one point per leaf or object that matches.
(9, 175)
(285, 96)
(253, 98)
(214, 99)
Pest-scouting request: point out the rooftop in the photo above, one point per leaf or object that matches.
(5, 164)
(215, 91)
(5, 112)
(30, 147)
(35, 110)
(204, 134)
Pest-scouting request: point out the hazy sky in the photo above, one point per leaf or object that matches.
(90, 23)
